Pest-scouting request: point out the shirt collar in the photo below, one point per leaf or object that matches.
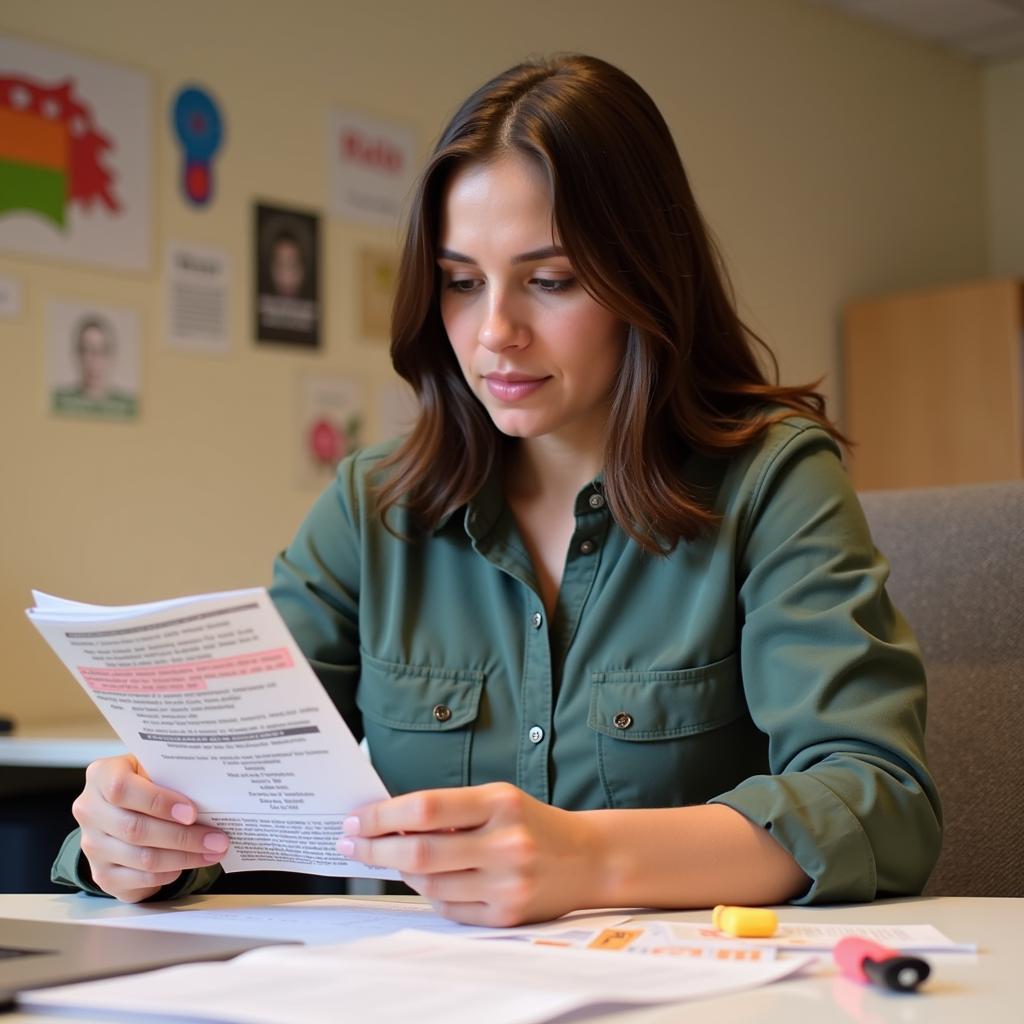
(478, 514)
(483, 510)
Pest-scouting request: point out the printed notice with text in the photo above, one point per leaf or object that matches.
(215, 699)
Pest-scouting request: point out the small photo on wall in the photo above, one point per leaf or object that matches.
(378, 273)
(329, 425)
(287, 275)
(94, 361)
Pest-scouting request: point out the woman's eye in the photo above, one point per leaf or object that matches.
(461, 285)
(554, 284)
(551, 285)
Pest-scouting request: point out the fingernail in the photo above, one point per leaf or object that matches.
(345, 847)
(215, 841)
(182, 813)
(350, 826)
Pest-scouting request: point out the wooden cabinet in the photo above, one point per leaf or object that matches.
(933, 384)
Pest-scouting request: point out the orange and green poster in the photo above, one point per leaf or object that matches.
(75, 161)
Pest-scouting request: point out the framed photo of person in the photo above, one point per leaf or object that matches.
(93, 361)
(287, 275)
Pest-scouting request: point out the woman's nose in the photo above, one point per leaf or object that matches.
(500, 327)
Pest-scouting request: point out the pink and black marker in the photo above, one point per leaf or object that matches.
(869, 962)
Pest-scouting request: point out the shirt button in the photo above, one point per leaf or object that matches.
(596, 501)
(623, 720)
(536, 734)
(442, 712)
(537, 620)
(587, 547)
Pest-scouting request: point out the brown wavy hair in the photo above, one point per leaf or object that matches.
(624, 213)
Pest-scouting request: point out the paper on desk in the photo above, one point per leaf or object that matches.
(338, 919)
(654, 938)
(214, 697)
(821, 938)
(447, 980)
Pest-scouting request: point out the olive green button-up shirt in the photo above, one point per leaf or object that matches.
(762, 666)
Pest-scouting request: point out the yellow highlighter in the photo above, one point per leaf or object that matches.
(745, 922)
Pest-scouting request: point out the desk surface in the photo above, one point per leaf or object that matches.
(58, 745)
(982, 989)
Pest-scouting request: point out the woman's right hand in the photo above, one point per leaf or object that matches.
(136, 835)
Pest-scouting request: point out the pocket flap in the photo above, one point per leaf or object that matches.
(659, 705)
(418, 697)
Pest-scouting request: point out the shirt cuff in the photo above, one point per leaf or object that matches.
(71, 868)
(816, 828)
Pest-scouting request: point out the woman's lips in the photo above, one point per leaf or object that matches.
(513, 390)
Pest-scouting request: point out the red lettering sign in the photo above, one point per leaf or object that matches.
(374, 154)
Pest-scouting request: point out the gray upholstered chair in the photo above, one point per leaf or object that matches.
(957, 556)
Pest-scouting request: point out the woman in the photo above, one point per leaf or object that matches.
(609, 617)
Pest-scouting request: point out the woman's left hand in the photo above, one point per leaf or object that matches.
(485, 855)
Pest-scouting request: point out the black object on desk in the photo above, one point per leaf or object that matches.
(867, 961)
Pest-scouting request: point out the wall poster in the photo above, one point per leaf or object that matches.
(75, 157)
(287, 274)
(93, 361)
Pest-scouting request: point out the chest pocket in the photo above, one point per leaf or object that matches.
(418, 722)
(669, 738)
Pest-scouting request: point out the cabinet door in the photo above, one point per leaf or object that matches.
(933, 386)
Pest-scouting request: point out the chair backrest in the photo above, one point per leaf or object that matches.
(957, 556)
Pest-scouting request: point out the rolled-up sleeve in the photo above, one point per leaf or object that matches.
(71, 868)
(833, 676)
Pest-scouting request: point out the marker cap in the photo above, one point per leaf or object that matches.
(745, 922)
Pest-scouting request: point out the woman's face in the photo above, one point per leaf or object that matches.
(286, 267)
(538, 351)
(96, 359)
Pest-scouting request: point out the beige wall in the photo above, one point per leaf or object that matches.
(1004, 102)
(831, 158)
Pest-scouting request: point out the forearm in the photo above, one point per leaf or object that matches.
(492, 855)
(683, 857)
